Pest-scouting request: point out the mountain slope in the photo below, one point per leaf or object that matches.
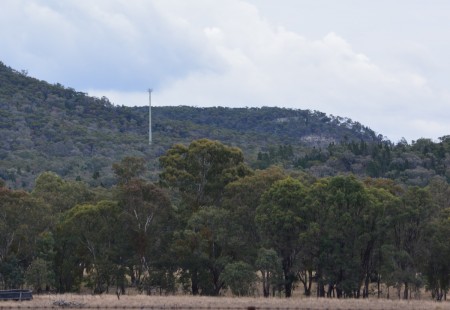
(50, 127)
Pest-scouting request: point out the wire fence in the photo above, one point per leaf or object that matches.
(174, 308)
(171, 308)
(218, 304)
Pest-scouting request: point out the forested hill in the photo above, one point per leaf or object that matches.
(47, 127)
(292, 206)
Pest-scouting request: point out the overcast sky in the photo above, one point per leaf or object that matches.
(383, 63)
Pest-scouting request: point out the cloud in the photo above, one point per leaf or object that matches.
(204, 53)
(278, 67)
(128, 98)
(104, 44)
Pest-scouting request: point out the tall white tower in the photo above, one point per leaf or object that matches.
(150, 116)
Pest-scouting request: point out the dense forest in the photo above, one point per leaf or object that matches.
(213, 224)
(48, 127)
(224, 199)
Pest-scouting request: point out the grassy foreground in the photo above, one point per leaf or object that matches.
(190, 302)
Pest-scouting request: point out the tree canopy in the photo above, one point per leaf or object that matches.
(222, 196)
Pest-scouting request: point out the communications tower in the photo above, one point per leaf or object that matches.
(150, 116)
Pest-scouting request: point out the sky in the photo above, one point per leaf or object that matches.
(382, 63)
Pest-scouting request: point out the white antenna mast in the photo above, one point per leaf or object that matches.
(150, 116)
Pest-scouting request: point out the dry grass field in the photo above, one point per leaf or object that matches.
(189, 302)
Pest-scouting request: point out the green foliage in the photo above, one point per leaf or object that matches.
(435, 259)
(206, 246)
(284, 153)
(348, 205)
(339, 231)
(147, 217)
(60, 194)
(280, 219)
(9, 220)
(39, 275)
(11, 273)
(240, 278)
(96, 241)
(128, 168)
(161, 279)
(53, 128)
(209, 238)
(242, 198)
(202, 170)
(408, 221)
(269, 264)
(218, 217)
(19, 231)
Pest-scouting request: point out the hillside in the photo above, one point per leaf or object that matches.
(47, 127)
(327, 209)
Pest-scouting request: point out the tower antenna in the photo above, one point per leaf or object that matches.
(150, 116)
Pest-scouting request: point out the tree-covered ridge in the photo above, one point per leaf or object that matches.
(291, 126)
(212, 224)
(413, 164)
(48, 127)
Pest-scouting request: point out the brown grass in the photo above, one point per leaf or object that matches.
(190, 302)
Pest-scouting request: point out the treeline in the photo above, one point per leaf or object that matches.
(211, 224)
(46, 127)
(411, 164)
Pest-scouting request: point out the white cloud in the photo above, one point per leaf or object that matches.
(105, 44)
(131, 98)
(229, 53)
(281, 68)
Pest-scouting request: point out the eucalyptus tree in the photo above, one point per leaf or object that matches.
(346, 239)
(199, 173)
(216, 247)
(147, 218)
(315, 235)
(407, 221)
(60, 194)
(240, 277)
(95, 239)
(19, 233)
(280, 220)
(242, 197)
(269, 265)
(435, 260)
(376, 232)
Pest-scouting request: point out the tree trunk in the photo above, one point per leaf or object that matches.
(320, 289)
(288, 277)
(310, 280)
(306, 279)
(266, 284)
(194, 283)
(287, 287)
(366, 287)
(330, 291)
(320, 285)
(338, 292)
(216, 281)
(378, 285)
(405, 292)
